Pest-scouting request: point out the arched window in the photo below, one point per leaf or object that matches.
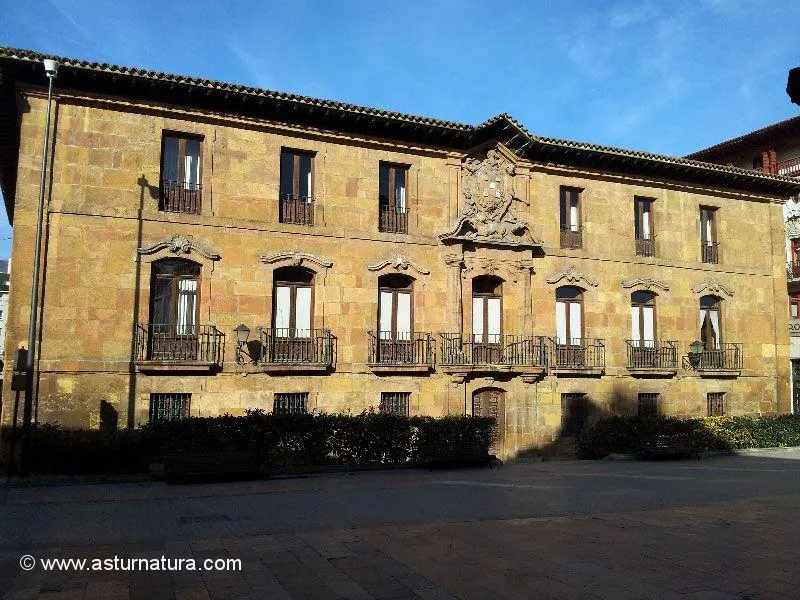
(710, 322)
(292, 314)
(173, 297)
(569, 315)
(395, 307)
(643, 319)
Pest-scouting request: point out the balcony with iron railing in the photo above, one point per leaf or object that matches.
(165, 347)
(723, 361)
(579, 356)
(645, 245)
(789, 167)
(793, 270)
(572, 237)
(297, 210)
(463, 354)
(285, 350)
(393, 219)
(652, 357)
(709, 252)
(407, 352)
(180, 196)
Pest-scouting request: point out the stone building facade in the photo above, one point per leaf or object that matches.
(377, 260)
(774, 149)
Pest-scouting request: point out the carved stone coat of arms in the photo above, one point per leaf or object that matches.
(487, 189)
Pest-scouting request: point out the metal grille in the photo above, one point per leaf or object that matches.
(645, 245)
(395, 403)
(710, 252)
(572, 238)
(716, 404)
(574, 410)
(648, 405)
(290, 404)
(169, 407)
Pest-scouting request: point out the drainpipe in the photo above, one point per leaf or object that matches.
(50, 69)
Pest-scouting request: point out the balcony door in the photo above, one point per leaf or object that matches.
(569, 326)
(395, 318)
(644, 351)
(487, 320)
(292, 315)
(710, 322)
(174, 309)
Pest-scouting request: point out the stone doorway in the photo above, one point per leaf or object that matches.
(491, 402)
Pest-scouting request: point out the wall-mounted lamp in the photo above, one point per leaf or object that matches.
(242, 335)
(696, 350)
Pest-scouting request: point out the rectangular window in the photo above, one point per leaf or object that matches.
(574, 411)
(290, 404)
(570, 217)
(169, 407)
(643, 226)
(392, 201)
(648, 405)
(395, 403)
(716, 404)
(180, 188)
(708, 235)
(297, 190)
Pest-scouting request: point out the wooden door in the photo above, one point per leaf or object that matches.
(491, 402)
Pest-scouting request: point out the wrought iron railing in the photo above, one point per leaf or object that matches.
(298, 210)
(645, 245)
(180, 196)
(178, 344)
(728, 357)
(578, 353)
(515, 350)
(652, 354)
(709, 252)
(407, 349)
(572, 237)
(793, 269)
(296, 346)
(393, 219)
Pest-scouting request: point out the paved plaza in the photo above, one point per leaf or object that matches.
(717, 528)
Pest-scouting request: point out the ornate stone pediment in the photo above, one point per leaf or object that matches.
(646, 283)
(398, 263)
(508, 269)
(488, 198)
(572, 275)
(178, 244)
(295, 259)
(711, 286)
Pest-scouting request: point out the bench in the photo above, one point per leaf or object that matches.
(208, 465)
(667, 444)
(454, 455)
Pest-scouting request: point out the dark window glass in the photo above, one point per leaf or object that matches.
(169, 407)
(648, 405)
(396, 403)
(574, 412)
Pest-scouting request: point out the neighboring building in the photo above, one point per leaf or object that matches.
(774, 149)
(391, 261)
(4, 281)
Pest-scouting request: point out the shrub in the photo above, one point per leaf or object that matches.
(621, 434)
(281, 440)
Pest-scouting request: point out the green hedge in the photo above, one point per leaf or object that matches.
(620, 434)
(282, 441)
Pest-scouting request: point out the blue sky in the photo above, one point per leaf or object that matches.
(663, 76)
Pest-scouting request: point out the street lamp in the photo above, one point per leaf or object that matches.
(242, 334)
(50, 69)
(696, 349)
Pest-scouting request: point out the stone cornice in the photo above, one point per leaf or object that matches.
(572, 275)
(712, 286)
(646, 283)
(178, 244)
(398, 263)
(295, 259)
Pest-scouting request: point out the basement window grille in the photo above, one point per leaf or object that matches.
(395, 403)
(169, 407)
(290, 403)
(716, 404)
(648, 405)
